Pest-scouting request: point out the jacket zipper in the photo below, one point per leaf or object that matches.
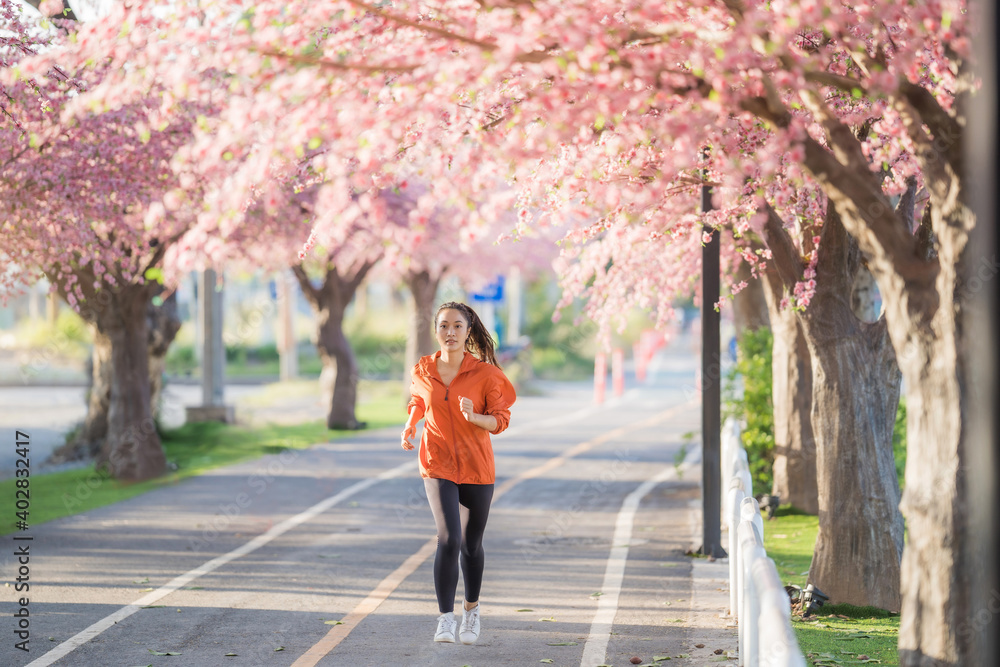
(454, 443)
(451, 422)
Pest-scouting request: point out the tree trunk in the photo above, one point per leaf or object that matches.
(420, 342)
(855, 382)
(864, 296)
(88, 441)
(163, 324)
(794, 466)
(926, 284)
(855, 395)
(339, 378)
(939, 622)
(132, 450)
(750, 307)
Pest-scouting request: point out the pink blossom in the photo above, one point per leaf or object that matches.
(51, 7)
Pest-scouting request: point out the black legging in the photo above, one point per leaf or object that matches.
(460, 513)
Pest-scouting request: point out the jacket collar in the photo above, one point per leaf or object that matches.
(428, 365)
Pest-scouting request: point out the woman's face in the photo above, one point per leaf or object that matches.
(452, 330)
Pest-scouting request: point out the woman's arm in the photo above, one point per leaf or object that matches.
(410, 429)
(416, 414)
(487, 422)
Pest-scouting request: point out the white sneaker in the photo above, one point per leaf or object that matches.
(446, 628)
(469, 632)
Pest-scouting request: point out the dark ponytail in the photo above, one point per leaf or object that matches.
(480, 341)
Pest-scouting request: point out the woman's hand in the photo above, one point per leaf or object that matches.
(465, 405)
(408, 433)
(486, 422)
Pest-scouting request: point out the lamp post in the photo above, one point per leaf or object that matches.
(711, 375)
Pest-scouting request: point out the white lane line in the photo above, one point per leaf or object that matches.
(388, 585)
(276, 531)
(596, 648)
(554, 421)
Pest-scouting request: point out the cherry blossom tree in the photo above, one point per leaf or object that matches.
(436, 240)
(596, 106)
(341, 266)
(78, 195)
(794, 468)
(343, 269)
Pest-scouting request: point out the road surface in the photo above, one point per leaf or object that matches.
(324, 556)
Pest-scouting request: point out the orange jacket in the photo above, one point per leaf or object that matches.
(451, 447)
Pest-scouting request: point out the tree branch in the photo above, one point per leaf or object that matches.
(360, 273)
(784, 255)
(945, 128)
(926, 243)
(154, 259)
(840, 138)
(824, 78)
(67, 13)
(936, 163)
(840, 82)
(907, 203)
(866, 212)
(735, 8)
(440, 32)
(838, 257)
(323, 63)
(758, 106)
(310, 292)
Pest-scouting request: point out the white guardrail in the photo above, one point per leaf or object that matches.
(757, 599)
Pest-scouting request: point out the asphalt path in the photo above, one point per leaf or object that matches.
(48, 413)
(324, 556)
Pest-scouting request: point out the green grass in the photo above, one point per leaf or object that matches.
(829, 641)
(789, 539)
(550, 363)
(826, 638)
(309, 366)
(194, 449)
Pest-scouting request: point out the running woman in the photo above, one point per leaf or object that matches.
(464, 397)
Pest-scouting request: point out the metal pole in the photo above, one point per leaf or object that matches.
(214, 354)
(982, 552)
(711, 420)
(287, 347)
(514, 305)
